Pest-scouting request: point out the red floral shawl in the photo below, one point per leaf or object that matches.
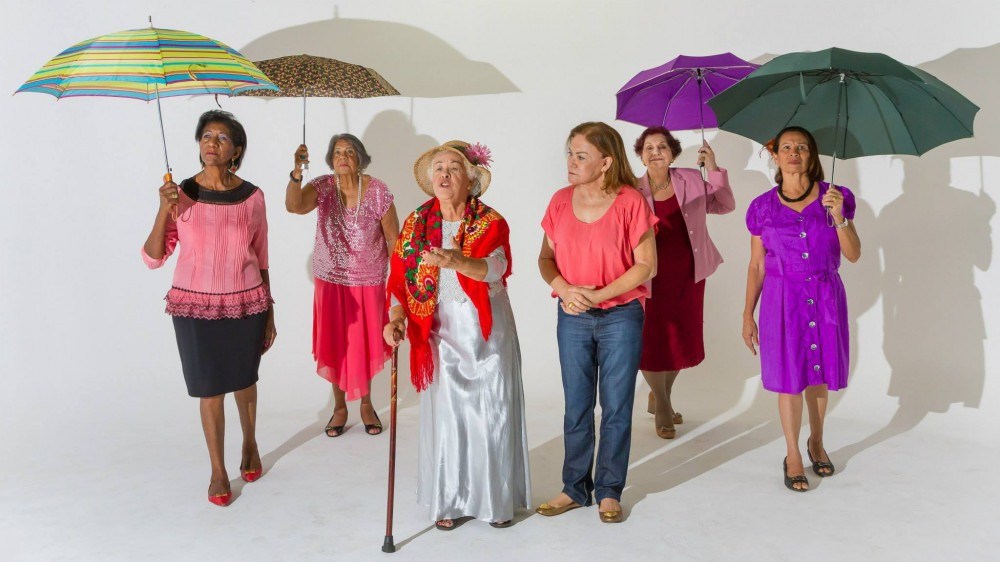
(415, 284)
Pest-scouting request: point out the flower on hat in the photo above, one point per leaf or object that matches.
(479, 155)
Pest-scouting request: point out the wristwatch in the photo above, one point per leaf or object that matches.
(843, 224)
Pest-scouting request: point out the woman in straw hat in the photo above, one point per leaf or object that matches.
(447, 285)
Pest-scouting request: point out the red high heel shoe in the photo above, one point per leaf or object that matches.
(251, 475)
(221, 500)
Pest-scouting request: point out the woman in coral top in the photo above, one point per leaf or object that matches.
(597, 253)
(220, 300)
(356, 227)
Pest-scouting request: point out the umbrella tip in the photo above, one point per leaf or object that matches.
(151, 22)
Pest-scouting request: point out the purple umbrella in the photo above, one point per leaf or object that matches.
(674, 94)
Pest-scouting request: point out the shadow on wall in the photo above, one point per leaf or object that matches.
(403, 54)
(933, 238)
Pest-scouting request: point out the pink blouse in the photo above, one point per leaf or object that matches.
(350, 245)
(597, 253)
(223, 238)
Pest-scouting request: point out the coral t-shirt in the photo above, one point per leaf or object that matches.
(597, 253)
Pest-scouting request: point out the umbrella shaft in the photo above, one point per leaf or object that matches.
(163, 135)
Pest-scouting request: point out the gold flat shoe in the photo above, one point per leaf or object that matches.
(553, 510)
(651, 408)
(666, 432)
(611, 516)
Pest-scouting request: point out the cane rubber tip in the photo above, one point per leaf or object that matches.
(387, 546)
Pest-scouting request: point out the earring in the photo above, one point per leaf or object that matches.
(232, 166)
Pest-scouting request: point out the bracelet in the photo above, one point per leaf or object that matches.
(291, 175)
(843, 224)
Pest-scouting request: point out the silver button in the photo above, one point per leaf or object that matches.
(690, 232)
(799, 218)
(809, 278)
(812, 324)
(805, 255)
(815, 367)
(809, 301)
(813, 347)
(802, 235)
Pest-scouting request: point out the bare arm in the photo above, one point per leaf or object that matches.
(390, 227)
(563, 289)
(270, 332)
(850, 243)
(473, 268)
(298, 199)
(755, 281)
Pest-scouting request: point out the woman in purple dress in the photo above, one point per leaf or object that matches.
(799, 229)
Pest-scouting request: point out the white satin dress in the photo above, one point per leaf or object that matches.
(473, 446)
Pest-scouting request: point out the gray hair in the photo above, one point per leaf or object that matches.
(471, 171)
(364, 159)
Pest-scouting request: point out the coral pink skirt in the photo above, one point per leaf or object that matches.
(347, 335)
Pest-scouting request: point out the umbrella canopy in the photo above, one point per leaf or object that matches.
(673, 95)
(306, 75)
(309, 76)
(854, 104)
(146, 64)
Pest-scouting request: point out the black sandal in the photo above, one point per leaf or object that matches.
(333, 430)
(501, 524)
(377, 425)
(819, 466)
(791, 481)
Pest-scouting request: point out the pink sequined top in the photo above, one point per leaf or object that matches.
(350, 245)
(223, 238)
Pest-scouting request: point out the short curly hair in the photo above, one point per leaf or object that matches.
(673, 143)
(236, 132)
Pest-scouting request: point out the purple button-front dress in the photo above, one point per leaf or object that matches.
(803, 325)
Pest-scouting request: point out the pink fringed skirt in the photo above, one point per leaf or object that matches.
(347, 335)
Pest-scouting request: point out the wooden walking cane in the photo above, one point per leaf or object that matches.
(387, 545)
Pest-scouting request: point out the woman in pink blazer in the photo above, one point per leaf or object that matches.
(672, 335)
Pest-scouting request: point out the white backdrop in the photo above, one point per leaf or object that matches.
(89, 370)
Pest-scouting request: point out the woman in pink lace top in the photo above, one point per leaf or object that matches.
(356, 226)
(220, 300)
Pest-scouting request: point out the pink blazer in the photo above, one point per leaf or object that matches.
(697, 199)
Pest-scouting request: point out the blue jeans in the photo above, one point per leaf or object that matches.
(598, 349)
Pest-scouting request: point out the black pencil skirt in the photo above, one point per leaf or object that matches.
(220, 356)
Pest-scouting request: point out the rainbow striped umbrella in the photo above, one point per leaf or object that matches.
(147, 64)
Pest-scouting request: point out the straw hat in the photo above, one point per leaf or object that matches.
(476, 154)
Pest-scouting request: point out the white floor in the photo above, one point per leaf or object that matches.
(135, 490)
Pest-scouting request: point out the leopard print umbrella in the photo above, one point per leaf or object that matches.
(306, 75)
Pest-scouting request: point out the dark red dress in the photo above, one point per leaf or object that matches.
(672, 337)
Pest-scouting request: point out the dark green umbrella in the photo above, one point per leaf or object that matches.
(855, 104)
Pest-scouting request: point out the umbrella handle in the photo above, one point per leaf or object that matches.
(170, 177)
